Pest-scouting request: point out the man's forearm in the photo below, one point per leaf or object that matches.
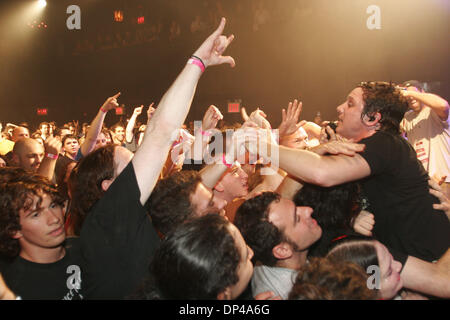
(438, 104)
(168, 117)
(130, 127)
(93, 132)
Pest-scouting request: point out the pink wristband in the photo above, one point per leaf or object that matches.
(224, 161)
(103, 110)
(51, 156)
(206, 133)
(197, 63)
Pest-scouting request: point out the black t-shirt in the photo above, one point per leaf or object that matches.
(398, 194)
(60, 280)
(117, 241)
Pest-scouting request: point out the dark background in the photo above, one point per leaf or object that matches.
(314, 50)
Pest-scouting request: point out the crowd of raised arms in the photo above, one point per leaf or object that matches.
(300, 211)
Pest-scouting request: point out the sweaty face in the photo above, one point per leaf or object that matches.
(390, 282)
(31, 156)
(296, 223)
(350, 125)
(204, 201)
(42, 225)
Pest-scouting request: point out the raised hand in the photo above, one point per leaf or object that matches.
(53, 145)
(213, 47)
(137, 111)
(211, 117)
(259, 117)
(150, 111)
(289, 123)
(110, 103)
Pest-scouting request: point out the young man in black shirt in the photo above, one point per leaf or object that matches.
(37, 261)
(117, 236)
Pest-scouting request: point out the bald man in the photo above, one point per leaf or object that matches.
(28, 154)
(19, 133)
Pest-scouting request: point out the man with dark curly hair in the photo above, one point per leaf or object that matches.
(38, 262)
(280, 235)
(393, 180)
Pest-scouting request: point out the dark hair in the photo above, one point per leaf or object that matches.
(334, 207)
(324, 279)
(414, 83)
(197, 260)
(68, 136)
(252, 219)
(60, 174)
(359, 250)
(169, 204)
(385, 98)
(16, 188)
(85, 183)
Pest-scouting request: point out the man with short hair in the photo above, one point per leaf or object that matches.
(280, 235)
(28, 154)
(427, 128)
(19, 133)
(179, 197)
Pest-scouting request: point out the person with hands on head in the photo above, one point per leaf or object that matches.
(117, 236)
(427, 128)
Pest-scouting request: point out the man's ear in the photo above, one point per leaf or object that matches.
(372, 120)
(17, 235)
(224, 295)
(282, 251)
(106, 184)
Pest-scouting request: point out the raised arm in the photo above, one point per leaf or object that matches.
(172, 111)
(88, 144)
(435, 102)
(131, 122)
(52, 147)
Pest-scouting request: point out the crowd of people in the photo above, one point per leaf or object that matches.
(231, 211)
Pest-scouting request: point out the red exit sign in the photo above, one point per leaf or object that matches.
(233, 107)
(41, 111)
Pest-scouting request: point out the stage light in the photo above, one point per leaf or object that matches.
(42, 4)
